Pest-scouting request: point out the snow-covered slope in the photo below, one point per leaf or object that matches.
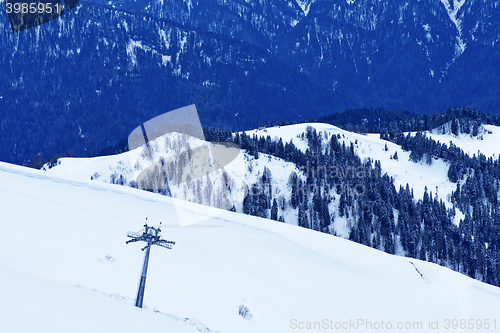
(245, 170)
(486, 142)
(35, 304)
(242, 172)
(65, 267)
(417, 175)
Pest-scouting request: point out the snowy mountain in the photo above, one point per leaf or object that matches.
(65, 267)
(244, 63)
(414, 196)
(245, 170)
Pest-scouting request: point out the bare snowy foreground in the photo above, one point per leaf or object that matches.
(65, 267)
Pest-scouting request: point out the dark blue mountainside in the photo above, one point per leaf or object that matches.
(82, 82)
(422, 56)
(418, 55)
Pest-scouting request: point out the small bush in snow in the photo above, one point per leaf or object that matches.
(245, 312)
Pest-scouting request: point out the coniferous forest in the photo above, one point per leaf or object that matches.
(424, 227)
(338, 184)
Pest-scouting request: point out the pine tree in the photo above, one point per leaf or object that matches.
(303, 221)
(247, 203)
(454, 127)
(274, 210)
(293, 182)
(453, 173)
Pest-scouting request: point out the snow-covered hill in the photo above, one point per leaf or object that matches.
(245, 169)
(417, 175)
(124, 168)
(65, 267)
(486, 142)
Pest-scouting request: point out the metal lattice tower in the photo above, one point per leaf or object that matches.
(151, 236)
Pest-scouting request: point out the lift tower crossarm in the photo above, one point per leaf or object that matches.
(151, 236)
